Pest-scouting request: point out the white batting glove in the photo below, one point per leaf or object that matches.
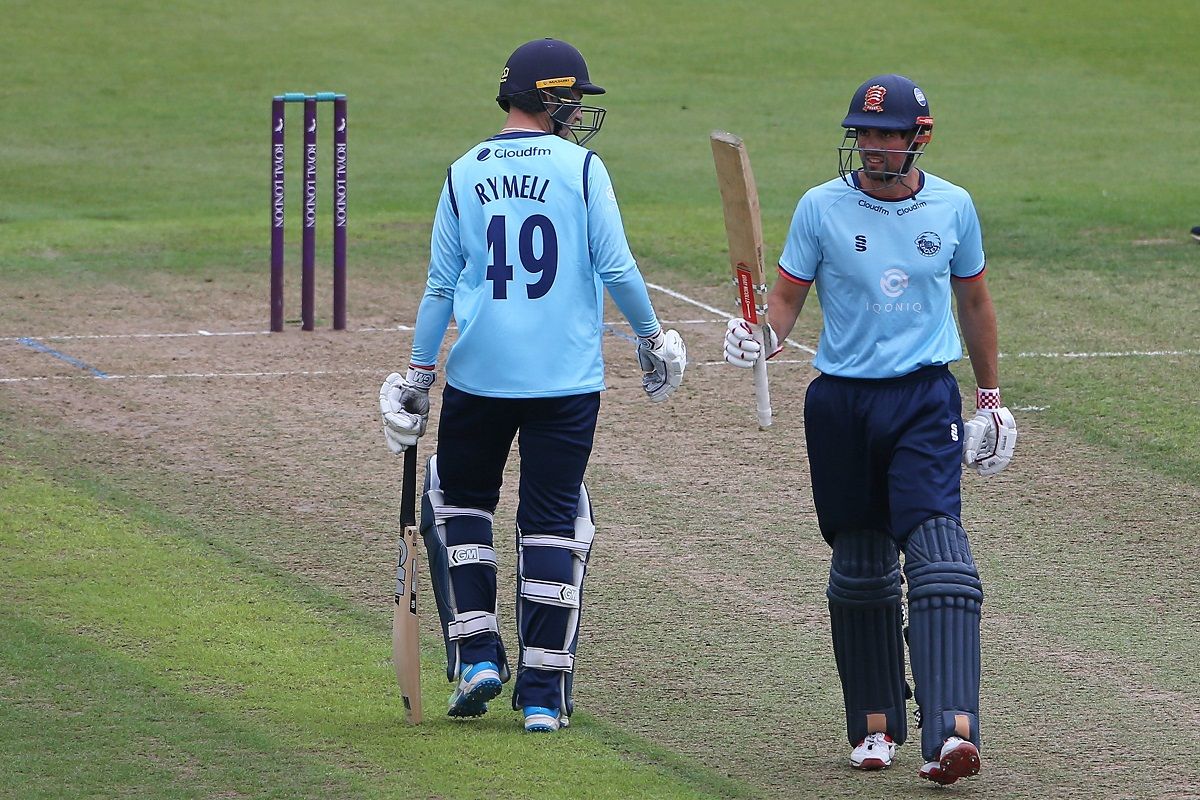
(404, 406)
(743, 347)
(991, 436)
(663, 358)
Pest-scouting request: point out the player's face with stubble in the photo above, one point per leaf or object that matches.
(881, 152)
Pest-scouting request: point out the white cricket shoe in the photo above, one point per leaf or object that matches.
(478, 684)
(957, 759)
(539, 719)
(874, 752)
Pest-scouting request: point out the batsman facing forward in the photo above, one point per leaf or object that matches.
(887, 245)
(526, 236)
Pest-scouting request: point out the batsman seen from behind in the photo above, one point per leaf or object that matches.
(888, 247)
(526, 237)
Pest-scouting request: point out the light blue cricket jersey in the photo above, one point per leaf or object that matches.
(527, 233)
(882, 271)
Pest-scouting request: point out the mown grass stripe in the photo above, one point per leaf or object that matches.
(79, 719)
(315, 680)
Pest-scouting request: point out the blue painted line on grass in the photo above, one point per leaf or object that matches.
(34, 344)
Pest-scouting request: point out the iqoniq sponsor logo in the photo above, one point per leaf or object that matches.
(893, 283)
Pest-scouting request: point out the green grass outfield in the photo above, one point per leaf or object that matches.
(141, 658)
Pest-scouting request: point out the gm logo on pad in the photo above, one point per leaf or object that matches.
(465, 555)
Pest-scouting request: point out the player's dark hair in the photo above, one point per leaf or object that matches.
(529, 102)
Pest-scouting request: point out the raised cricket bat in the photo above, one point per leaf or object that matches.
(406, 648)
(743, 227)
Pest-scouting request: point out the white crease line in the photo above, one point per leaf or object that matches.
(166, 375)
(301, 373)
(76, 336)
(1115, 354)
(319, 373)
(70, 336)
(721, 314)
(722, 319)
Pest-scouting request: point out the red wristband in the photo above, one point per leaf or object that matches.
(987, 398)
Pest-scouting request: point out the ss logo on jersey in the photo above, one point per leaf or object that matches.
(860, 243)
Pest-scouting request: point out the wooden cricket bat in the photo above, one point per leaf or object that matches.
(406, 648)
(743, 227)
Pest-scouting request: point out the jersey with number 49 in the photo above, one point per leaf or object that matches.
(526, 236)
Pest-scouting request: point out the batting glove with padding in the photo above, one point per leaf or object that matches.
(743, 347)
(991, 436)
(404, 406)
(663, 358)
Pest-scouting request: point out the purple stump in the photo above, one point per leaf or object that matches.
(277, 213)
(339, 213)
(308, 240)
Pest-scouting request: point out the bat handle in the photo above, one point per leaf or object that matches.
(762, 394)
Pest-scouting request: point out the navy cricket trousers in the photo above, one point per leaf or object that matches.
(554, 438)
(884, 454)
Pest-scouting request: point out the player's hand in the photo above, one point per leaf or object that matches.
(991, 436)
(743, 347)
(663, 357)
(404, 406)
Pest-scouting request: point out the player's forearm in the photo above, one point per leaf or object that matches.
(630, 295)
(977, 317)
(433, 317)
(784, 305)
(979, 332)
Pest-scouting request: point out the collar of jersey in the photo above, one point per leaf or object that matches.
(499, 137)
(912, 196)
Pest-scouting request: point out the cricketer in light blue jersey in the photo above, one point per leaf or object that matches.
(891, 250)
(882, 270)
(526, 238)
(527, 235)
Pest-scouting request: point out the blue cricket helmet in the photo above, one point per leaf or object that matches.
(889, 103)
(544, 64)
(551, 70)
